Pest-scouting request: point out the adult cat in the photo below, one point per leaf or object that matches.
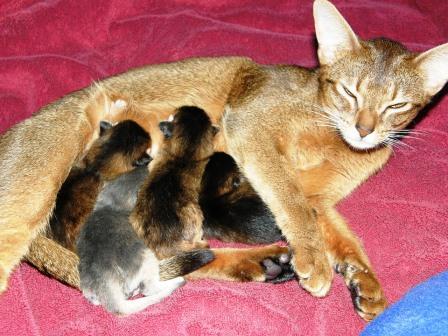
(277, 123)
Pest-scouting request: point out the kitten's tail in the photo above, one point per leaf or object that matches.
(184, 263)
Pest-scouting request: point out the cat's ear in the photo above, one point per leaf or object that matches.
(433, 66)
(334, 34)
(143, 161)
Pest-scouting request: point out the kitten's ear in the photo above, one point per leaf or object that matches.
(143, 161)
(167, 128)
(333, 33)
(433, 65)
(215, 129)
(104, 125)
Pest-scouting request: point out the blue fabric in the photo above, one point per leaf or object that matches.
(422, 311)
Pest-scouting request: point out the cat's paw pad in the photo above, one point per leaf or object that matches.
(278, 270)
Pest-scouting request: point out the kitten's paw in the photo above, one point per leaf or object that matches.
(367, 295)
(314, 271)
(171, 285)
(117, 106)
(179, 281)
(120, 104)
(92, 298)
(202, 244)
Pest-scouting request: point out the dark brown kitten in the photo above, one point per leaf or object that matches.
(167, 214)
(118, 150)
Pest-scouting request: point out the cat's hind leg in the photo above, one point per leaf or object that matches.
(247, 264)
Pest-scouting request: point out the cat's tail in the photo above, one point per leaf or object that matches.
(184, 263)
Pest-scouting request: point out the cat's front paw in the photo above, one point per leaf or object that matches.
(313, 269)
(367, 296)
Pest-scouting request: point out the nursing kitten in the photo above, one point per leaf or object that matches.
(115, 263)
(232, 209)
(119, 149)
(167, 214)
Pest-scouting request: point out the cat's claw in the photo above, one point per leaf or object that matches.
(367, 296)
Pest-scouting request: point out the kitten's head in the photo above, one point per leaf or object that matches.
(119, 149)
(371, 90)
(189, 133)
(221, 176)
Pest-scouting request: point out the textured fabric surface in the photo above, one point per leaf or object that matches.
(422, 311)
(49, 48)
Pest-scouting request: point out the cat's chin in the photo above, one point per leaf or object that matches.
(360, 145)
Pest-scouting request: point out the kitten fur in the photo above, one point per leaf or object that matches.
(167, 214)
(233, 211)
(114, 262)
(119, 149)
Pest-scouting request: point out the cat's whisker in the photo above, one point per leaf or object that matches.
(404, 136)
(408, 133)
(326, 118)
(420, 131)
(399, 144)
(326, 125)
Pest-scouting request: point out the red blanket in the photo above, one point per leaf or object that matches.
(49, 48)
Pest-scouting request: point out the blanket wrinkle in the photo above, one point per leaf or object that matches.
(53, 47)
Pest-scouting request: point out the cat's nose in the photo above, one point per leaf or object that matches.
(363, 130)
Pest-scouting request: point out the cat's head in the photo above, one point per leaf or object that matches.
(371, 90)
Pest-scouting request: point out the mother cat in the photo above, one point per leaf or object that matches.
(278, 123)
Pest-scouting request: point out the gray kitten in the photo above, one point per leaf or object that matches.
(115, 264)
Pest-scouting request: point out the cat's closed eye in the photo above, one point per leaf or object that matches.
(397, 106)
(347, 91)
